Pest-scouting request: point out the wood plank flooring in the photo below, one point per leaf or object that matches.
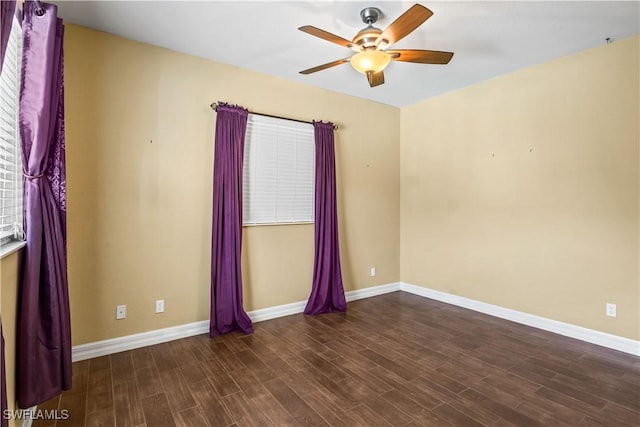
(392, 360)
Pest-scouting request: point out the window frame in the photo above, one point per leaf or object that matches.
(11, 206)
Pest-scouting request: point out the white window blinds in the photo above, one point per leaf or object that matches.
(10, 163)
(279, 171)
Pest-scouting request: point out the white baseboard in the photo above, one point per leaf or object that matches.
(372, 291)
(298, 307)
(130, 342)
(158, 336)
(615, 342)
(277, 311)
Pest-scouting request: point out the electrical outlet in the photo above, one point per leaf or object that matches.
(160, 306)
(611, 310)
(121, 312)
(373, 271)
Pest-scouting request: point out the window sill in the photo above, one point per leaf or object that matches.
(269, 224)
(11, 247)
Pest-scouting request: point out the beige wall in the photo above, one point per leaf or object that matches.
(522, 191)
(8, 307)
(139, 164)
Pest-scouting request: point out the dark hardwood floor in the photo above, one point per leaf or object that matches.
(395, 359)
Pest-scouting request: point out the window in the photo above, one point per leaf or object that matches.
(279, 171)
(10, 162)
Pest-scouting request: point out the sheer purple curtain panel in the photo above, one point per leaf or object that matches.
(227, 311)
(327, 291)
(44, 332)
(7, 10)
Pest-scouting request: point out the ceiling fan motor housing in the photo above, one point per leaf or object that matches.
(367, 37)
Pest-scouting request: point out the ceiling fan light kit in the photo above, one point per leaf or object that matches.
(370, 61)
(370, 44)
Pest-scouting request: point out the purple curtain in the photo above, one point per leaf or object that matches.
(7, 10)
(4, 422)
(227, 313)
(44, 333)
(327, 292)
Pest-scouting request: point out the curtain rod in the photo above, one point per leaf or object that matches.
(214, 107)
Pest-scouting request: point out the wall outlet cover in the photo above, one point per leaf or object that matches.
(121, 312)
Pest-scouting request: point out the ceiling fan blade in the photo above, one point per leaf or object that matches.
(375, 79)
(325, 66)
(325, 35)
(406, 23)
(421, 56)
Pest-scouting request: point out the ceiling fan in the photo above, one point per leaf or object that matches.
(371, 43)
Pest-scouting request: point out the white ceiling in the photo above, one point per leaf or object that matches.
(489, 38)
